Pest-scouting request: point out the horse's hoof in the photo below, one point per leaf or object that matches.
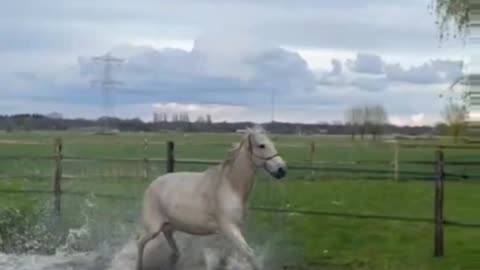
(174, 258)
(222, 263)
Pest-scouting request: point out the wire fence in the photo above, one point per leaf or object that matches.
(310, 168)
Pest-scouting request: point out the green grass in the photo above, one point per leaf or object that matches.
(323, 241)
(375, 244)
(331, 242)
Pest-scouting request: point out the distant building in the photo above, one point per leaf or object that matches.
(55, 115)
(160, 117)
(299, 131)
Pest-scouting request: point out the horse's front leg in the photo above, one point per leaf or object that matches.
(233, 233)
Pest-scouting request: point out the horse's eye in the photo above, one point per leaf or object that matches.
(262, 146)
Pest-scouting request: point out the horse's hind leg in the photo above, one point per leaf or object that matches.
(223, 261)
(153, 223)
(168, 233)
(141, 245)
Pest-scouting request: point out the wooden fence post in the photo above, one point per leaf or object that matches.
(439, 183)
(396, 162)
(170, 157)
(312, 158)
(57, 187)
(146, 166)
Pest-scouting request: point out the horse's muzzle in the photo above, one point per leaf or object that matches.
(280, 173)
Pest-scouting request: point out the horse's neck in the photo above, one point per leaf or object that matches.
(241, 174)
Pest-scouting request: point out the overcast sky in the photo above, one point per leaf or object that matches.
(226, 58)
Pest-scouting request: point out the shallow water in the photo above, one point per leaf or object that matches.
(112, 246)
(196, 253)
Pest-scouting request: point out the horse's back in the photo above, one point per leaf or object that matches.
(177, 181)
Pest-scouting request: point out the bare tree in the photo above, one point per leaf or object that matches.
(200, 119)
(366, 119)
(183, 117)
(365, 114)
(350, 121)
(378, 120)
(455, 116)
(160, 117)
(175, 118)
(10, 125)
(441, 128)
(358, 118)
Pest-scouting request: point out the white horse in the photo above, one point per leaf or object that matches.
(210, 202)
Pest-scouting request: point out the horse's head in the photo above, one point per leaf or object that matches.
(264, 153)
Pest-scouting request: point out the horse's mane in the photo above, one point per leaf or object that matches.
(233, 152)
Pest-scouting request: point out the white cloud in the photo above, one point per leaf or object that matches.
(418, 119)
(370, 72)
(260, 114)
(184, 44)
(366, 63)
(413, 120)
(241, 70)
(320, 58)
(339, 88)
(434, 71)
(219, 112)
(237, 72)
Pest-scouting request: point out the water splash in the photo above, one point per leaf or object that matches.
(80, 261)
(197, 253)
(65, 252)
(76, 235)
(96, 244)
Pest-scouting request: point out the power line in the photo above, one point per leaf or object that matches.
(273, 105)
(107, 82)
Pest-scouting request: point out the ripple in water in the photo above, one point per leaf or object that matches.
(197, 253)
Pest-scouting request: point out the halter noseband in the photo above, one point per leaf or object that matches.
(266, 158)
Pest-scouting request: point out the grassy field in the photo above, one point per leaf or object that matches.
(317, 241)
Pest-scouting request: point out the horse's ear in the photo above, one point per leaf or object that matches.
(260, 129)
(257, 128)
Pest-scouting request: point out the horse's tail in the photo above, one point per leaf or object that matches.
(153, 223)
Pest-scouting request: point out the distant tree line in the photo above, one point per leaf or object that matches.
(28, 122)
(180, 117)
(455, 116)
(366, 119)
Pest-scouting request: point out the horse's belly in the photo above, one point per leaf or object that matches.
(196, 229)
(192, 216)
(192, 220)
